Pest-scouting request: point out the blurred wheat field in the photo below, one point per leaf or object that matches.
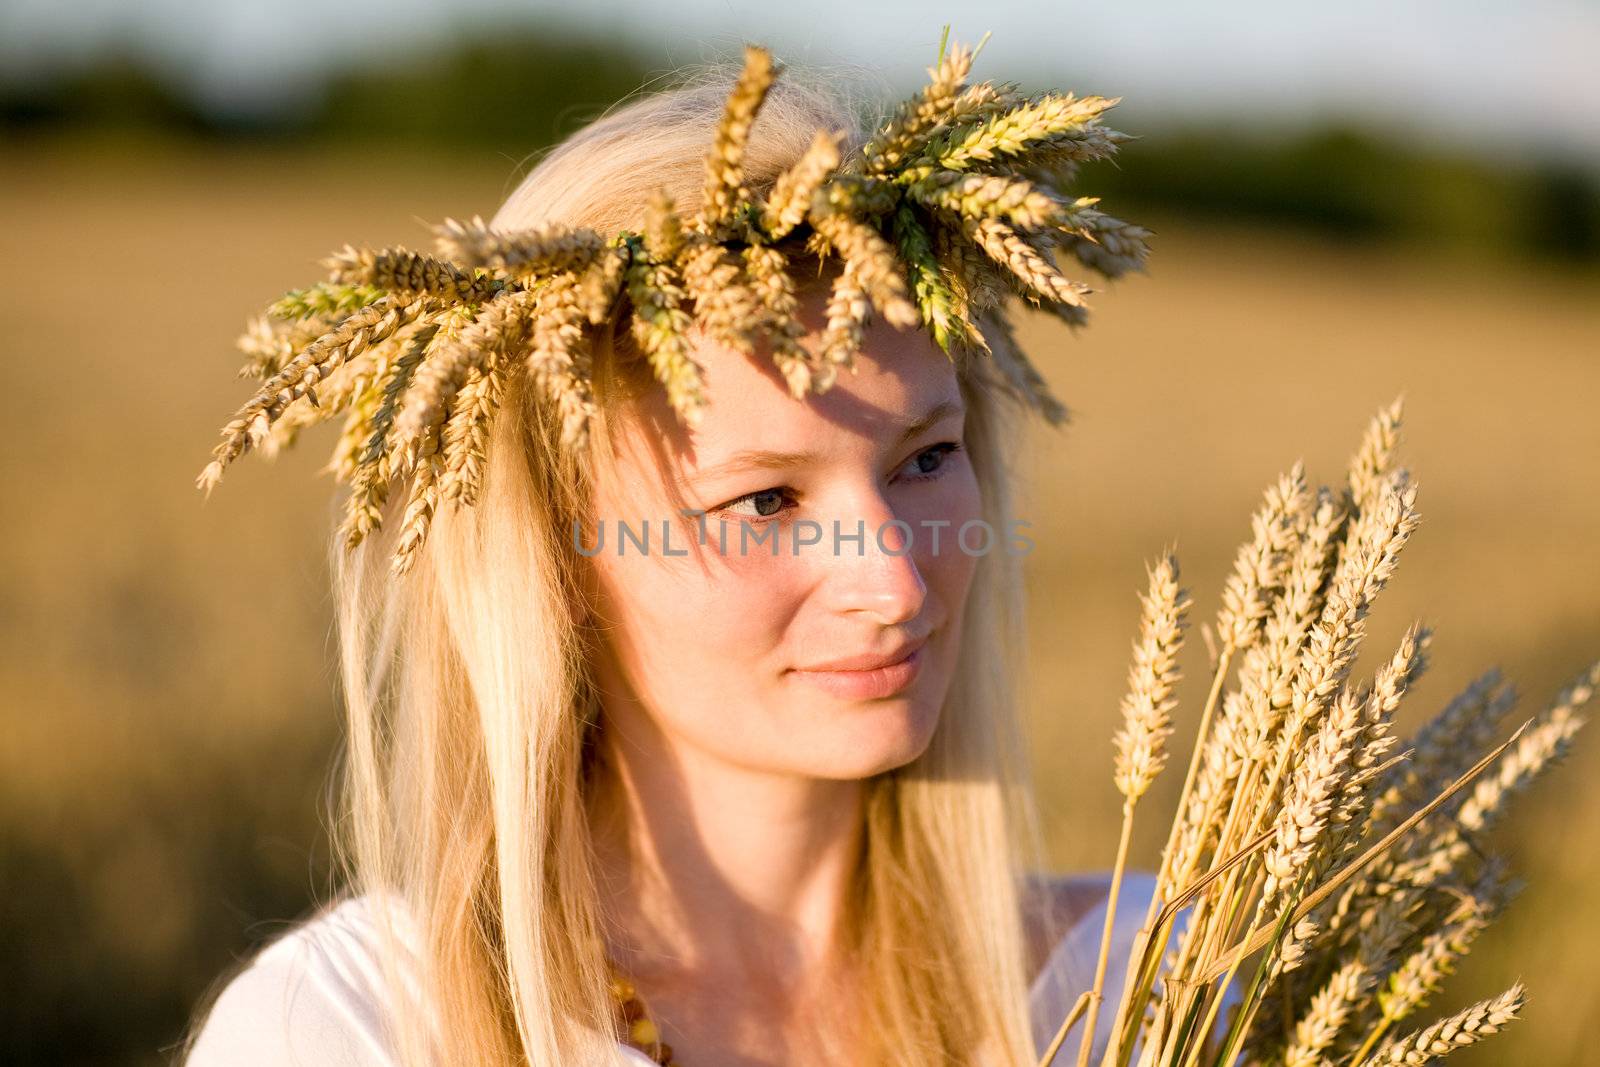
(168, 697)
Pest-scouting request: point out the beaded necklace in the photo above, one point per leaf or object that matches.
(634, 1025)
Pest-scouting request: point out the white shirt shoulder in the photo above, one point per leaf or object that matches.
(320, 996)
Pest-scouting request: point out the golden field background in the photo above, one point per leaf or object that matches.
(167, 689)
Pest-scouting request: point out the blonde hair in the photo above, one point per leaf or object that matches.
(471, 712)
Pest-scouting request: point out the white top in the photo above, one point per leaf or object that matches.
(316, 996)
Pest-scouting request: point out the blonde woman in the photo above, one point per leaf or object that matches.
(636, 773)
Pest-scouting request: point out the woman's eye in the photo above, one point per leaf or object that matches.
(930, 460)
(763, 504)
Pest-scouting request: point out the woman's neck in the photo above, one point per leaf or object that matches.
(716, 874)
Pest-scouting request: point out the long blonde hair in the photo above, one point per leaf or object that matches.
(471, 711)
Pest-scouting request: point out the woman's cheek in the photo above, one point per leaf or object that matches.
(937, 513)
(735, 543)
(761, 559)
(737, 601)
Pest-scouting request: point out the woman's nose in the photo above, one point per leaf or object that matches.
(873, 567)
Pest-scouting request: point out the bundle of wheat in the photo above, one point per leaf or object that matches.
(1330, 884)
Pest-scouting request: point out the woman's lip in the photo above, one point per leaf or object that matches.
(874, 684)
(867, 661)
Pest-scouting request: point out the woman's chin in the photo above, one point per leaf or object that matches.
(871, 737)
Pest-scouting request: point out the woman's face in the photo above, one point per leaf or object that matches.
(775, 645)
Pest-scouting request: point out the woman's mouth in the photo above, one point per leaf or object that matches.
(867, 683)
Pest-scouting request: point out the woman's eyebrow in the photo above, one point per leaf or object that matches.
(942, 409)
(770, 459)
(756, 459)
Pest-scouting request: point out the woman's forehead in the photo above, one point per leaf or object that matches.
(898, 377)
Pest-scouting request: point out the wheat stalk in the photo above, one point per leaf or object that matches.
(1465, 1028)
(1141, 742)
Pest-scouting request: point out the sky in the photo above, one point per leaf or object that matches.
(1512, 76)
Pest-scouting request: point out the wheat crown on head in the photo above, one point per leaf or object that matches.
(955, 204)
